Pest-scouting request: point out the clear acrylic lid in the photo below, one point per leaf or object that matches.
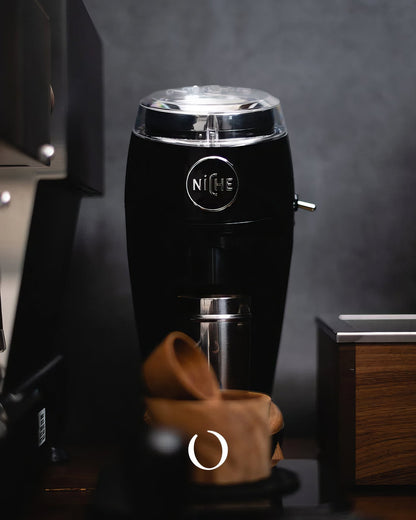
(210, 115)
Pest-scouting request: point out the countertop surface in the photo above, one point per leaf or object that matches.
(67, 491)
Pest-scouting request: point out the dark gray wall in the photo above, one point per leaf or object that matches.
(345, 72)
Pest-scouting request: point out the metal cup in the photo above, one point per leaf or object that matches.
(221, 325)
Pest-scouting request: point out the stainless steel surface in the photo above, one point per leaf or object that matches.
(209, 307)
(210, 115)
(221, 325)
(370, 328)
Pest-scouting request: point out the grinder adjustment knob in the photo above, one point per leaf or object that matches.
(308, 206)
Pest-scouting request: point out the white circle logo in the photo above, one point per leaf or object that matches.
(224, 450)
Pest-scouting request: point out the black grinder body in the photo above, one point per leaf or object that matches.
(178, 246)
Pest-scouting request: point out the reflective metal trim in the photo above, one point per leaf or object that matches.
(342, 329)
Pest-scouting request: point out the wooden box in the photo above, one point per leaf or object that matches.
(367, 400)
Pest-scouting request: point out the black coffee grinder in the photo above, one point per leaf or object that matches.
(210, 207)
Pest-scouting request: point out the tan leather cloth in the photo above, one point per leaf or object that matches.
(275, 425)
(245, 420)
(178, 369)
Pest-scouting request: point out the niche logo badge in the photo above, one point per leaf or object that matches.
(212, 183)
(224, 451)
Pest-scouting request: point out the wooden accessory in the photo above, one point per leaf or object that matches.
(367, 401)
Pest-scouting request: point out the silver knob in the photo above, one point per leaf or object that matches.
(46, 152)
(5, 198)
(308, 206)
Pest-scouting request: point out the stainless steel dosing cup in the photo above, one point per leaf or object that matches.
(221, 325)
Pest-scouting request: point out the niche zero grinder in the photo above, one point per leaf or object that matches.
(210, 207)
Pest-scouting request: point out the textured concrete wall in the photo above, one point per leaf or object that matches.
(345, 71)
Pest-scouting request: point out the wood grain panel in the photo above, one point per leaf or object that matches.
(385, 414)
